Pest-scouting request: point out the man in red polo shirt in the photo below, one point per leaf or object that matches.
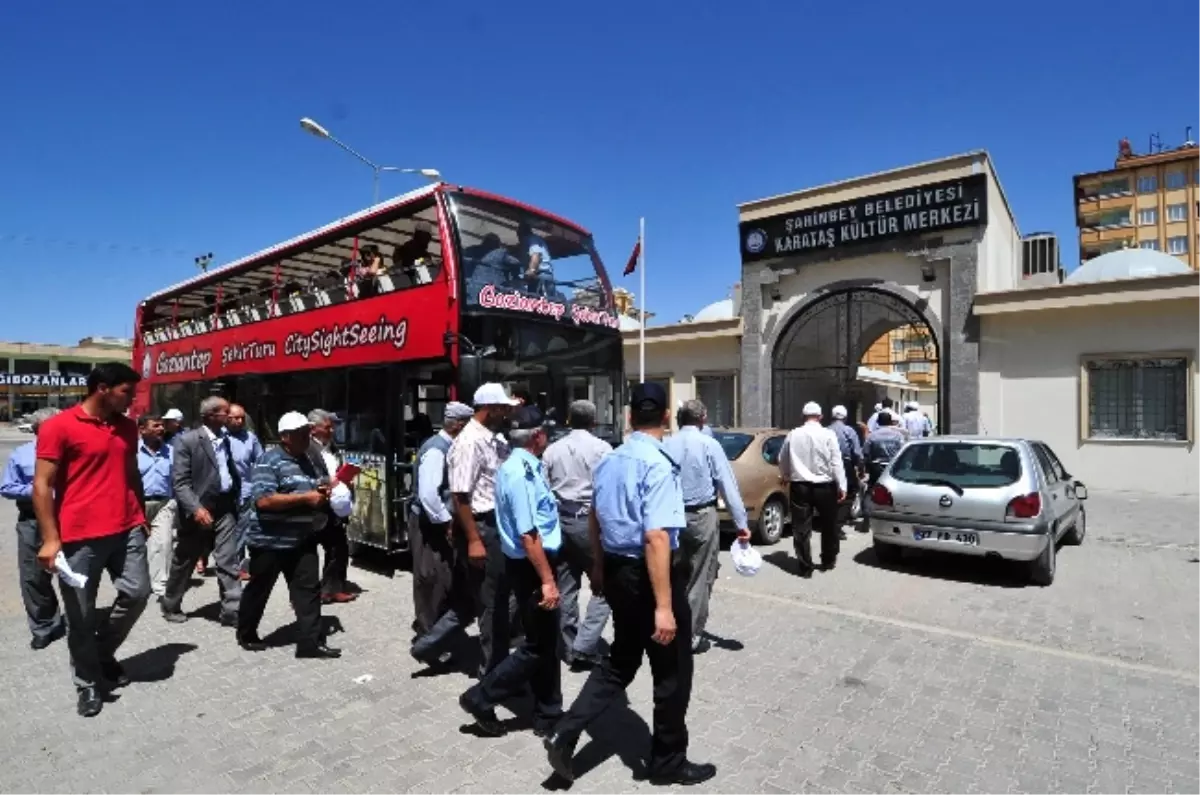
(87, 495)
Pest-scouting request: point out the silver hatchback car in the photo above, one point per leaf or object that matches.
(1006, 498)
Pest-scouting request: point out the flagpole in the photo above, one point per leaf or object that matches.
(642, 295)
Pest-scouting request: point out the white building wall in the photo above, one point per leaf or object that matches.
(999, 267)
(1030, 386)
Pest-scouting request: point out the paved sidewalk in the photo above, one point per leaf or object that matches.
(937, 677)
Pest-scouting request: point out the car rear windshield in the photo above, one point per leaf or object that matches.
(734, 444)
(968, 465)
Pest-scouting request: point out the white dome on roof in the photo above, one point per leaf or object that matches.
(628, 324)
(719, 310)
(1126, 263)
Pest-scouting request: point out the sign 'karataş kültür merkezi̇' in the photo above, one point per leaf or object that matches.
(941, 206)
(492, 297)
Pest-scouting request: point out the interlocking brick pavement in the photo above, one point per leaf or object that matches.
(943, 675)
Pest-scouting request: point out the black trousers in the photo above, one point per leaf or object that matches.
(337, 557)
(627, 588)
(475, 594)
(846, 508)
(815, 506)
(534, 661)
(299, 568)
(433, 562)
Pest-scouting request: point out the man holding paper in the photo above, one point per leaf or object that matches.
(290, 493)
(87, 495)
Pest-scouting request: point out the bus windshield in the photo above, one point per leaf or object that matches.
(511, 258)
(554, 365)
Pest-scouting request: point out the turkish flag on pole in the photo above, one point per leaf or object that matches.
(631, 266)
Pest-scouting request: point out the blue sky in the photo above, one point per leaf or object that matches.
(134, 140)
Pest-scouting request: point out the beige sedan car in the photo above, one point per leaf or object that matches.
(754, 455)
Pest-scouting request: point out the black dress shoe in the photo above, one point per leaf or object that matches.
(90, 702)
(485, 719)
(830, 566)
(252, 643)
(42, 641)
(321, 652)
(174, 616)
(686, 774)
(114, 673)
(229, 619)
(702, 645)
(560, 751)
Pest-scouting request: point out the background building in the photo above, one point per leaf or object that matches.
(34, 375)
(1145, 201)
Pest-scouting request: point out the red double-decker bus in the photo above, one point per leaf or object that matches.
(384, 316)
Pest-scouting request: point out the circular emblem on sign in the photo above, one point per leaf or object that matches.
(756, 241)
(945, 501)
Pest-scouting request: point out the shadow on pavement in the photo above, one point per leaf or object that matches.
(951, 567)
(286, 635)
(618, 731)
(784, 561)
(157, 664)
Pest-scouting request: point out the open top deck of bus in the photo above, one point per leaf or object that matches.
(313, 255)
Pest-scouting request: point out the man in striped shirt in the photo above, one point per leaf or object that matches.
(290, 496)
(472, 462)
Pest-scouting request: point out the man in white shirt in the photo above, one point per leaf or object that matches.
(812, 462)
(916, 425)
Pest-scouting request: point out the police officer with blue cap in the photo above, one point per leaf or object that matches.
(530, 538)
(637, 513)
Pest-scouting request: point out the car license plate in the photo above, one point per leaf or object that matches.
(946, 536)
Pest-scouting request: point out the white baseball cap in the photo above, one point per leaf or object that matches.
(839, 412)
(492, 394)
(292, 421)
(173, 414)
(811, 409)
(878, 407)
(912, 405)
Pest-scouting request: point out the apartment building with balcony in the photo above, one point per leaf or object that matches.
(1145, 201)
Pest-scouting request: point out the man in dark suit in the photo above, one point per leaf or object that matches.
(206, 488)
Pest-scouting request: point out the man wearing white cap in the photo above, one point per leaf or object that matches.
(472, 461)
(914, 423)
(811, 461)
(291, 500)
(852, 463)
(172, 422)
(430, 536)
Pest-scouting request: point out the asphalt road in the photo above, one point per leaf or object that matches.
(941, 675)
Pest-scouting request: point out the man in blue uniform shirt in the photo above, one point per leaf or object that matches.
(703, 471)
(154, 458)
(530, 538)
(37, 585)
(636, 517)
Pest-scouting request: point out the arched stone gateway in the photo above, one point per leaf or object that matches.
(851, 346)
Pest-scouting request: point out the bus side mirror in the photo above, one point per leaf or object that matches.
(470, 374)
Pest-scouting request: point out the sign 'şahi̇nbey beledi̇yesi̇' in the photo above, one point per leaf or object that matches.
(941, 206)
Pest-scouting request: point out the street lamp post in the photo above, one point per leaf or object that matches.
(312, 127)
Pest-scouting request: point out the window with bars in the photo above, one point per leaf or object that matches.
(1137, 398)
(717, 393)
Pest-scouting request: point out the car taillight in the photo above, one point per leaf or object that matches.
(880, 495)
(1026, 507)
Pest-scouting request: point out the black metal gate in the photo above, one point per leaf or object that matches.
(818, 356)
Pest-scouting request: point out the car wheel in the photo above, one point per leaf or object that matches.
(1041, 570)
(1074, 536)
(770, 522)
(885, 552)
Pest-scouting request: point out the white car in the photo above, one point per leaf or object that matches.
(25, 426)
